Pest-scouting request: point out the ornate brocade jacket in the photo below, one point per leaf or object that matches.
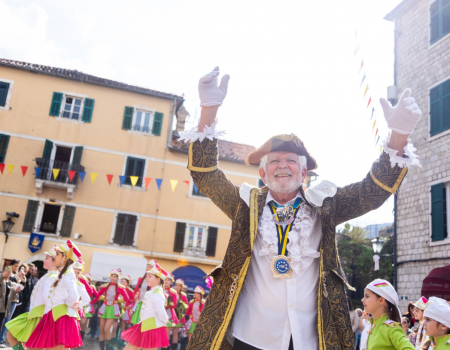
(333, 323)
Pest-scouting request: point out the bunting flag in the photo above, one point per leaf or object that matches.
(367, 89)
(109, 177)
(37, 170)
(378, 139)
(71, 175)
(134, 180)
(10, 168)
(93, 177)
(362, 81)
(381, 149)
(356, 50)
(122, 179)
(376, 133)
(2, 167)
(373, 110)
(370, 100)
(24, 170)
(147, 181)
(82, 175)
(362, 64)
(195, 188)
(373, 126)
(55, 173)
(158, 183)
(187, 182)
(173, 184)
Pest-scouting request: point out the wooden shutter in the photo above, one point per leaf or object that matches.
(139, 170)
(445, 18)
(48, 148)
(69, 215)
(435, 111)
(130, 227)
(434, 21)
(180, 231)
(120, 228)
(445, 116)
(88, 110)
(127, 118)
(4, 88)
(157, 123)
(30, 216)
(437, 212)
(4, 141)
(78, 152)
(55, 107)
(212, 241)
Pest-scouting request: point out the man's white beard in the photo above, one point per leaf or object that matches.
(287, 187)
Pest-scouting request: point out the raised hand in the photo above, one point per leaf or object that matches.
(212, 94)
(404, 116)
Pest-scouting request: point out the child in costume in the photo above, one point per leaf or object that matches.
(59, 327)
(89, 308)
(384, 331)
(172, 301)
(139, 293)
(109, 312)
(421, 336)
(194, 310)
(180, 310)
(21, 327)
(437, 324)
(126, 317)
(85, 293)
(150, 333)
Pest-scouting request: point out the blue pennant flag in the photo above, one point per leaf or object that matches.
(82, 175)
(158, 183)
(122, 179)
(362, 81)
(37, 171)
(195, 189)
(373, 110)
(35, 242)
(378, 139)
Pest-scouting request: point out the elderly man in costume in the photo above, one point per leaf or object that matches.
(281, 285)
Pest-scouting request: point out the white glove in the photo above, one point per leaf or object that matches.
(404, 116)
(210, 93)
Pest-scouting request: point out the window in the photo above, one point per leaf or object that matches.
(439, 20)
(4, 141)
(142, 120)
(125, 229)
(195, 240)
(440, 211)
(134, 167)
(440, 108)
(196, 192)
(30, 216)
(49, 219)
(71, 106)
(5, 93)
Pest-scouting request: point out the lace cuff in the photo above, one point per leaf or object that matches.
(410, 159)
(209, 132)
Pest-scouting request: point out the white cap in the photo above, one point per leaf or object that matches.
(384, 289)
(421, 303)
(78, 265)
(52, 252)
(439, 310)
(199, 289)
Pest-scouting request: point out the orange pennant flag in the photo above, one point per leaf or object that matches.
(147, 181)
(109, 177)
(24, 170)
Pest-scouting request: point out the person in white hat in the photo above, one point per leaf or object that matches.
(139, 293)
(86, 279)
(419, 308)
(113, 293)
(384, 332)
(150, 332)
(180, 310)
(126, 316)
(21, 327)
(195, 309)
(59, 326)
(437, 324)
(85, 293)
(172, 302)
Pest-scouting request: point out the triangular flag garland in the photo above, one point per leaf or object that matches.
(24, 170)
(10, 168)
(158, 183)
(2, 167)
(55, 173)
(122, 179)
(109, 177)
(147, 181)
(134, 180)
(37, 170)
(173, 184)
(93, 177)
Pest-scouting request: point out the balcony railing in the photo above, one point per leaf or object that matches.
(197, 251)
(141, 128)
(47, 166)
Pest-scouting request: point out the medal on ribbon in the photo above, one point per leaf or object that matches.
(283, 216)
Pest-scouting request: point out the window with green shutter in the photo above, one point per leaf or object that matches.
(127, 118)
(439, 225)
(180, 231)
(439, 20)
(30, 216)
(135, 167)
(78, 152)
(55, 107)
(440, 108)
(125, 229)
(211, 243)
(157, 123)
(4, 141)
(88, 110)
(4, 89)
(69, 215)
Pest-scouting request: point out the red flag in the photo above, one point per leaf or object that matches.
(376, 133)
(24, 170)
(2, 167)
(71, 175)
(147, 181)
(110, 177)
(186, 182)
(362, 63)
(370, 100)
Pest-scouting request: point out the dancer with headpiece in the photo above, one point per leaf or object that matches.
(109, 312)
(195, 309)
(172, 301)
(85, 292)
(437, 324)
(419, 308)
(89, 308)
(126, 315)
(150, 332)
(59, 327)
(139, 293)
(182, 306)
(21, 327)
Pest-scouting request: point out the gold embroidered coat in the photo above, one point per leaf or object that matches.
(333, 322)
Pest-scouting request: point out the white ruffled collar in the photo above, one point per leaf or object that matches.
(299, 250)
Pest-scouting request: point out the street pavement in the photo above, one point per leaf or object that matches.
(89, 344)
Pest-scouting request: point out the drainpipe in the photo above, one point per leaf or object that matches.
(395, 195)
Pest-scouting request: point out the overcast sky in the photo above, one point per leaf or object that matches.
(292, 64)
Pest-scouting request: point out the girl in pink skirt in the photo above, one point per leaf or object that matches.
(150, 332)
(59, 326)
(85, 298)
(126, 316)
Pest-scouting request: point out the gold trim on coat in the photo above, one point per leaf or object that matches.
(319, 306)
(200, 170)
(396, 185)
